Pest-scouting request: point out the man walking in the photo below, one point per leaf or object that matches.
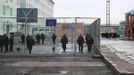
(42, 38)
(30, 43)
(89, 42)
(1, 43)
(80, 42)
(6, 42)
(64, 41)
(54, 38)
(23, 39)
(38, 38)
(11, 41)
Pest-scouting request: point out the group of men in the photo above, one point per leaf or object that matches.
(89, 42)
(64, 41)
(80, 41)
(6, 42)
(40, 37)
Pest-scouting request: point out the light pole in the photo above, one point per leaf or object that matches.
(108, 15)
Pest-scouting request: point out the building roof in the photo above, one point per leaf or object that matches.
(131, 13)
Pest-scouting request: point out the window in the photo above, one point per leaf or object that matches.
(18, 2)
(8, 7)
(11, 0)
(4, 10)
(11, 11)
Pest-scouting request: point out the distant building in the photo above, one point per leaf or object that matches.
(70, 29)
(129, 27)
(8, 9)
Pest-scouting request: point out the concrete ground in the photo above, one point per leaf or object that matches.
(122, 48)
(43, 61)
(52, 65)
(119, 55)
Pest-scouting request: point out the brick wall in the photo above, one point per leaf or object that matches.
(129, 27)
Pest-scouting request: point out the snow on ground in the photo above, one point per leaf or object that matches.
(124, 49)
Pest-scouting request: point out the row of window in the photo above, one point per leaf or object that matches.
(6, 9)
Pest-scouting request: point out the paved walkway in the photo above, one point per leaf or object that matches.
(119, 55)
(124, 49)
(34, 65)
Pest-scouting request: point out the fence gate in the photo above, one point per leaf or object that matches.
(71, 26)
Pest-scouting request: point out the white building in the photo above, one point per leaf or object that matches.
(8, 9)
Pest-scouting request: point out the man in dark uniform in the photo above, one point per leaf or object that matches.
(30, 42)
(64, 41)
(1, 43)
(11, 41)
(22, 38)
(80, 42)
(6, 42)
(54, 38)
(42, 38)
(89, 42)
(38, 38)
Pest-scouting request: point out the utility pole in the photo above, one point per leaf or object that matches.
(108, 15)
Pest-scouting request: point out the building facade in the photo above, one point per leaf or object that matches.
(129, 26)
(8, 9)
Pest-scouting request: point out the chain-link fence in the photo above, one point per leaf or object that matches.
(71, 26)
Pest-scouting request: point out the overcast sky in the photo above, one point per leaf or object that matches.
(93, 8)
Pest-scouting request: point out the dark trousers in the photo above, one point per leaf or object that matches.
(42, 41)
(80, 47)
(53, 41)
(38, 41)
(89, 47)
(1, 48)
(11, 47)
(64, 47)
(6, 47)
(30, 49)
(23, 41)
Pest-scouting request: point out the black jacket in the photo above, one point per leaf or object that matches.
(64, 40)
(89, 39)
(80, 40)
